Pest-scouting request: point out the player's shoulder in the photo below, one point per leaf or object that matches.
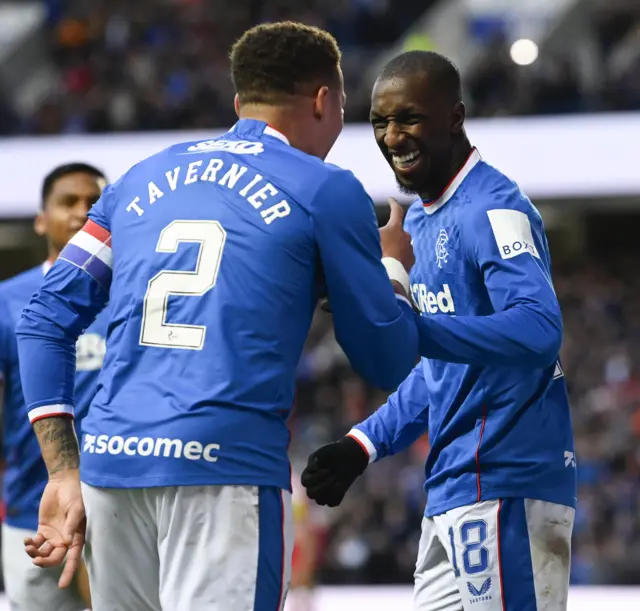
(306, 175)
(491, 190)
(258, 151)
(312, 181)
(340, 178)
(131, 184)
(334, 172)
(290, 170)
(22, 285)
(414, 211)
(496, 208)
(15, 293)
(157, 159)
(143, 169)
(340, 192)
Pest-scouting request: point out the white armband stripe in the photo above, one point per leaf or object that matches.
(365, 442)
(48, 411)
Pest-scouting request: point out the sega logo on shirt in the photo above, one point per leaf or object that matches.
(512, 231)
(149, 446)
(239, 147)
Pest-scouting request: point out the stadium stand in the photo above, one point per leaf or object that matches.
(121, 66)
(163, 65)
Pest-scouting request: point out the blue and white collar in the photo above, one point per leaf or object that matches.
(267, 131)
(458, 179)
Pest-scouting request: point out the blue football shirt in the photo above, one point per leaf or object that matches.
(490, 388)
(213, 256)
(26, 475)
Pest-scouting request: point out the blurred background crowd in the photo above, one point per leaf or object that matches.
(121, 65)
(124, 65)
(115, 65)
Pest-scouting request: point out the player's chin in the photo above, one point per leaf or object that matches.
(410, 178)
(408, 185)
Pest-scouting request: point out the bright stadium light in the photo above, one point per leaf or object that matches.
(524, 52)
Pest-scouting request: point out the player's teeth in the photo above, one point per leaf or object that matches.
(405, 158)
(401, 160)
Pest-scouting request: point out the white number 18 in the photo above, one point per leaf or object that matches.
(155, 331)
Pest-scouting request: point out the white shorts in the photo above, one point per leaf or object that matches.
(28, 587)
(197, 548)
(503, 555)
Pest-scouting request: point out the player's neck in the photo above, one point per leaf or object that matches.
(282, 119)
(459, 156)
(52, 254)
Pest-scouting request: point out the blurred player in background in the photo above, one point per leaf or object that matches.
(501, 472)
(68, 192)
(209, 254)
(305, 551)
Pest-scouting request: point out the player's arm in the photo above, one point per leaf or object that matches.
(398, 423)
(392, 428)
(74, 291)
(526, 328)
(375, 327)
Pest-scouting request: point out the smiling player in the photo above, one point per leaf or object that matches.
(501, 472)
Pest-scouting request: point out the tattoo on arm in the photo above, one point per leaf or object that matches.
(58, 442)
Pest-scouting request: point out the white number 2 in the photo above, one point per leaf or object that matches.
(155, 331)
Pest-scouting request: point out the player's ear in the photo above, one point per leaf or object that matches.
(40, 224)
(320, 102)
(458, 114)
(236, 104)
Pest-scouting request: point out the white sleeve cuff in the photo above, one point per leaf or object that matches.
(49, 411)
(365, 442)
(397, 272)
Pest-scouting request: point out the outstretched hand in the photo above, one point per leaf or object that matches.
(61, 528)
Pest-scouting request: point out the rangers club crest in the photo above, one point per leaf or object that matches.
(442, 254)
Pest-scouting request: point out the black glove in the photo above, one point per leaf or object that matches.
(332, 469)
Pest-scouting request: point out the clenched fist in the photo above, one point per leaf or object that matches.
(395, 241)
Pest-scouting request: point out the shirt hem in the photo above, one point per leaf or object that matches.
(24, 522)
(491, 494)
(181, 480)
